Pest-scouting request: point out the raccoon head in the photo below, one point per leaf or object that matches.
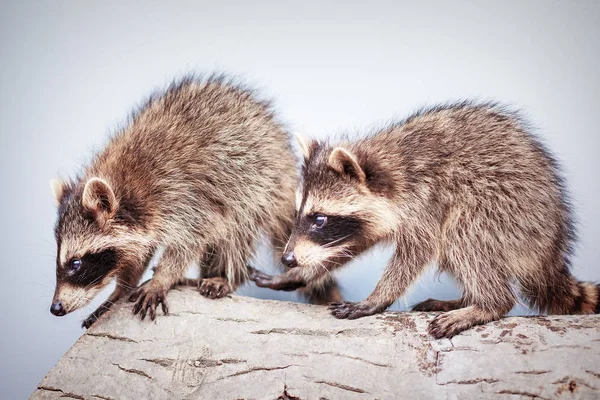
(91, 242)
(343, 207)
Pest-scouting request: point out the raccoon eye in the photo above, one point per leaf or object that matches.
(320, 221)
(75, 265)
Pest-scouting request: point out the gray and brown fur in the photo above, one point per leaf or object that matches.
(466, 186)
(200, 170)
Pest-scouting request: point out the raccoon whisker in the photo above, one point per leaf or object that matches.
(326, 245)
(327, 270)
(124, 284)
(40, 284)
(346, 253)
(46, 276)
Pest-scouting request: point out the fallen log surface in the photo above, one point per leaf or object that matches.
(245, 348)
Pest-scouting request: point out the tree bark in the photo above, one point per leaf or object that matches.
(244, 348)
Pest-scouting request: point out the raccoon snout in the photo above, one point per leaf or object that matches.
(289, 259)
(57, 309)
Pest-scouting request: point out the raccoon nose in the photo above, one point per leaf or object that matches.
(289, 260)
(57, 309)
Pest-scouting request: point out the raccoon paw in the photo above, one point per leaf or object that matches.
(280, 282)
(147, 299)
(89, 321)
(436, 305)
(93, 317)
(350, 310)
(447, 325)
(214, 288)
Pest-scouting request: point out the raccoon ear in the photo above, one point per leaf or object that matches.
(58, 187)
(98, 197)
(304, 145)
(344, 162)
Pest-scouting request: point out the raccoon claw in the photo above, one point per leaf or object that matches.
(350, 310)
(279, 282)
(89, 321)
(256, 276)
(214, 288)
(147, 300)
(93, 317)
(446, 325)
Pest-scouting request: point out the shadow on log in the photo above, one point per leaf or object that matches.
(244, 348)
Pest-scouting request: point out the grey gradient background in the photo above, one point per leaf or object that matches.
(71, 71)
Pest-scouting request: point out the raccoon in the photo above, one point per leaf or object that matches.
(466, 186)
(197, 172)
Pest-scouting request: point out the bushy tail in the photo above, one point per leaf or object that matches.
(563, 295)
(587, 300)
(581, 298)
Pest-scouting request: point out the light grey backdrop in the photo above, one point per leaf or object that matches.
(70, 71)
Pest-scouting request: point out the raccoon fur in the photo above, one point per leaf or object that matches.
(466, 186)
(200, 170)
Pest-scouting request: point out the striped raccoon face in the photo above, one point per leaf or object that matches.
(330, 226)
(342, 208)
(320, 240)
(87, 248)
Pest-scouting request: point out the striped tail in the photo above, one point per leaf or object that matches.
(587, 300)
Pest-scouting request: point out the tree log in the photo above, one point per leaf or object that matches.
(245, 348)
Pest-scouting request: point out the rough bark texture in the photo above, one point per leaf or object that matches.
(246, 348)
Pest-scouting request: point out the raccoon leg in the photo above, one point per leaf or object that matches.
(290, 281)
(439, 305)
(452, 323)
(126, 282)
(169, 272)
(326, 293)
(223, 266)
(490, 299)
(213, 284)
(104, 307)
(403, 269)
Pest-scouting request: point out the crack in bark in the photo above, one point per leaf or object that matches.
(254, 369)
(133, 371)
(232, 361)
(353, 358)
(531, 372)
(293, 331)
(342, 386)
(199, 362)
(206, 362)
(64, 394)
(102, 397)
(236, 319)
(521, 393)
(295, 354)
(597, 375)
(286, 396)
(112, 337)
(163, 362)
(471, 381)
(316, 332)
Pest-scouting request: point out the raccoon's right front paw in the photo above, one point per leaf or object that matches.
(279, 282)
(147, 298)
(89, 321)
(214, 288)
(351, 310)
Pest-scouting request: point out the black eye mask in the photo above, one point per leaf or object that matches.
(337, 229)
(94, 267)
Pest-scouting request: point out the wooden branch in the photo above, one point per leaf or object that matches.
(244, 348)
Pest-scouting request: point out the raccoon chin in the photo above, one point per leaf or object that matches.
(81, 297)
